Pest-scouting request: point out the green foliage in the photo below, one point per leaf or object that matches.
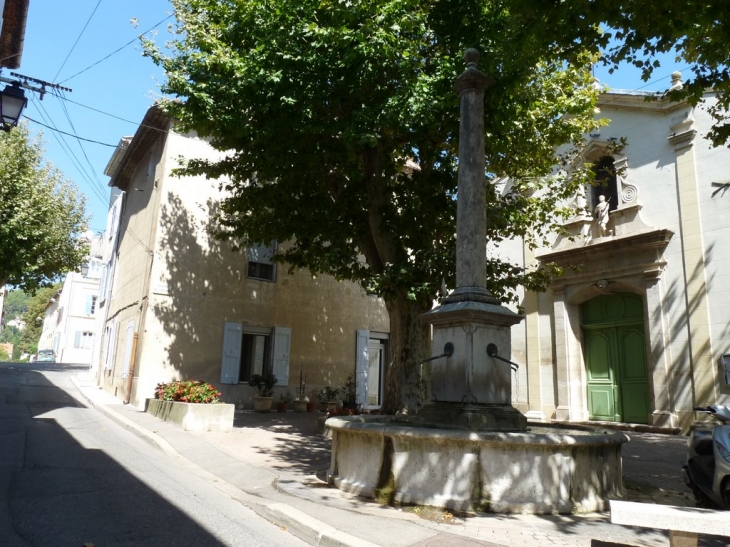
(16, 304)
(337, 101)
(34, 318)
(4, 354)
(349, 390)
(41, 215)
(263, 384)
(340, 127)
(11, 335)
(635, 31)
(187, 391)
(327, 394)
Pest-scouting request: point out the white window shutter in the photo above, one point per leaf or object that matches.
(111, 346)
(128, 349)
(282, 345)
(231, 360)
(361, 367)
(87, 306)
(77, 339)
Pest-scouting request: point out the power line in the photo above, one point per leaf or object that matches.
(77, 40)
(107, 113)
(67, 149)
(83, 150)
(117, 50)
(69, 134)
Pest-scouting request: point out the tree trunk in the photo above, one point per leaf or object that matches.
(406, 386)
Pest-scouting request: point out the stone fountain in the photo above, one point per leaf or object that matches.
(470, 449)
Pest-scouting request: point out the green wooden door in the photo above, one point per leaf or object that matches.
(615, 352)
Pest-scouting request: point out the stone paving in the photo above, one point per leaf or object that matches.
(275, 463)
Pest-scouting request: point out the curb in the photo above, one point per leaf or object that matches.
(307, 528)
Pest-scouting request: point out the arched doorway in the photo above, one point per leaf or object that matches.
(615, 355)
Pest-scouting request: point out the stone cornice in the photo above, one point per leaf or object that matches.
(154, 122)
(641, 254)
(634, 101)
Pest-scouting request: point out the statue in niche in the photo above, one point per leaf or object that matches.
(601, 213)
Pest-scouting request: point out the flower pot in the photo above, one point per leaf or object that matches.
(312, 406)
(299, 406)
(281, 407)
(328, 406)
(262, 404)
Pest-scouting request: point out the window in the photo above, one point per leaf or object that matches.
(259, 262)
(90, 307)
(251, 350)
(83, 340)
(255, 355)
(605, 183)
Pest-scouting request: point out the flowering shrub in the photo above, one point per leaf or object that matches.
(188, 391)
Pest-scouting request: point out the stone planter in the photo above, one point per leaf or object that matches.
(193, 416)
(262, 404)
(328, 406)
(299, 406)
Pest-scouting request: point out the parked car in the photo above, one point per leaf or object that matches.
(45, 356)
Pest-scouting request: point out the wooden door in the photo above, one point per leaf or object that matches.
(615, 353)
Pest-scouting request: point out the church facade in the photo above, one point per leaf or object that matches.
(637, 329)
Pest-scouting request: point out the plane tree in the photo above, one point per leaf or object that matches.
(41, 215)
(340, 127)
(637, 32)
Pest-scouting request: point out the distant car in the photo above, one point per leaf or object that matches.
(45, 356)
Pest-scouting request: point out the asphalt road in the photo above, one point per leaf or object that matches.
(69, 476)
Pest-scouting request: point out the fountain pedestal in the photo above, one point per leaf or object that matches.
(470, 389)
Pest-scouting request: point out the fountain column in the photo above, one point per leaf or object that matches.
(471, 389)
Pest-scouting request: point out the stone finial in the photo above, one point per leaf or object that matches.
(472, 78)
(471, 56)
(676, 80)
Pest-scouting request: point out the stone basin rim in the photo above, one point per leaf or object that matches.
(382, 425)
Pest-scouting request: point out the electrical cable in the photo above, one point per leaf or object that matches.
(77, 40)
(83, 150)
(67, 149)
(69, 134)
(117, 50)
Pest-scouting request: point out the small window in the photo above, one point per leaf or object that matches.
(90, 307)
(255, 355)
(83, 340)
(605, 183)
(259, 262)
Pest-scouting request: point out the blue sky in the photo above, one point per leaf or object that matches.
(63, 42)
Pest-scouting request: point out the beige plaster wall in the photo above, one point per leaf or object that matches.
(183, 292)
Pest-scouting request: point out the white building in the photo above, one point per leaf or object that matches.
(638, 327)
(69, 322)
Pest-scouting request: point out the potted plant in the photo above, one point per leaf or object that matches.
(284, 400)
(327, 398)
(349, 393)
(300, 403)
(312, 401)
(193, 405)
(264, 386)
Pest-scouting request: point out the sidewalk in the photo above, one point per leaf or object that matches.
(275, 464)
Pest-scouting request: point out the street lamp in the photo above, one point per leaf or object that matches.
(84, 268)
(12, 103)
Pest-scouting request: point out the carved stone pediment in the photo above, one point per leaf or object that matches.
(634, 247)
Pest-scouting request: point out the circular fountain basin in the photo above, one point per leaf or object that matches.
(545, 470)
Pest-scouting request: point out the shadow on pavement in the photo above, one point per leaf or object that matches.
(57, 492)
(292, 443)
